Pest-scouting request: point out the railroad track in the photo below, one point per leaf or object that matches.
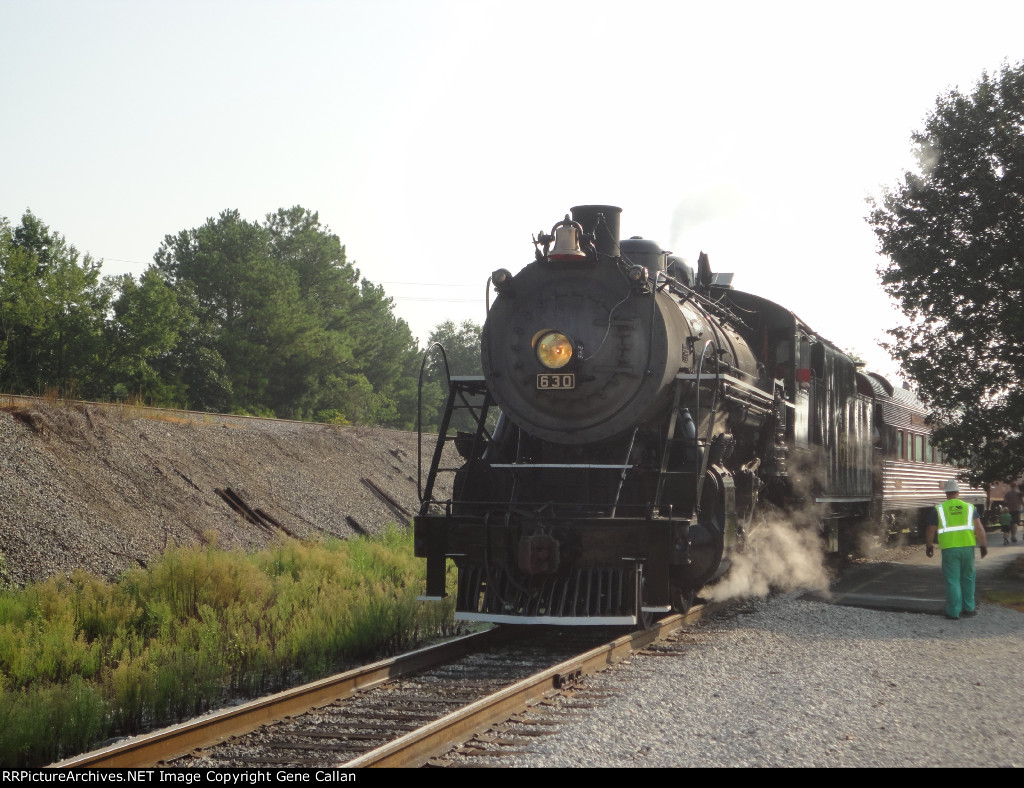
(403, 712)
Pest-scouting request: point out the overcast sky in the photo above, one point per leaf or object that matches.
(435, 137)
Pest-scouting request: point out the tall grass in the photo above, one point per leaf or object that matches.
(83, 660)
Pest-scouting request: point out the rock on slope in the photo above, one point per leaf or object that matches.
(106, 488)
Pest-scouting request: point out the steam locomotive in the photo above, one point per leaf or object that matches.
(635, 420)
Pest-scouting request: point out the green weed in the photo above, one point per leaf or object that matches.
(82, 660)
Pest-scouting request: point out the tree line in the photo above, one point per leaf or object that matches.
(263, 318)
(270, 317)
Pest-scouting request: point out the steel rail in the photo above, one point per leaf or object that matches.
(418, 747)
(415, 748)
(178, 740)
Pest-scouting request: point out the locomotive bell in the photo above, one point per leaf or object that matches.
(567, 241)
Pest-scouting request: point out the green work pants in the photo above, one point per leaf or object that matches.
(958, 571)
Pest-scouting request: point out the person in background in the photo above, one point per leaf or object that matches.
(1012, 501)
(1004, 525)
(958, 527)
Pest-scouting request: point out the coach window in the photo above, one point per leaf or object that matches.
(928, 457)
(919, 448)
(818, 360)
(899, 444)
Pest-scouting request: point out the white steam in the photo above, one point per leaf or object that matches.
(778, 556)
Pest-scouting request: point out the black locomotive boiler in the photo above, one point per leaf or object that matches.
(632, 418)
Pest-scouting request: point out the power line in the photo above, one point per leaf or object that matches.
(445, 300)
(474, 286)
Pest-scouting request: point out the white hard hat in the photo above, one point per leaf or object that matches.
(952, 486)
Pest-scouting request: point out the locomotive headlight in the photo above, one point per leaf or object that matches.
(502, 280)
(554, 350)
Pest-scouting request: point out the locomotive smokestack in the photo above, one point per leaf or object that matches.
(605, 231)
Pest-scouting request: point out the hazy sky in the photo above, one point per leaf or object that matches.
(435, 137)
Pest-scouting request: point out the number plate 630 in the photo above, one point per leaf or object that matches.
(562, 382)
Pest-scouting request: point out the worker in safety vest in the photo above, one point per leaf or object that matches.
(959, 529)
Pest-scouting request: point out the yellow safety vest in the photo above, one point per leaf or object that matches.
(956, 524)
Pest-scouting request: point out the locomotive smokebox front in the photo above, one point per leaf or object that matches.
(578, 352)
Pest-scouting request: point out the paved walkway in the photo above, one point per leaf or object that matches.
(915, 583)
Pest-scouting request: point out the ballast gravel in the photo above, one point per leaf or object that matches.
(788, 682)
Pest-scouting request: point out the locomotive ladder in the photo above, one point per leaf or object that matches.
(464, 395)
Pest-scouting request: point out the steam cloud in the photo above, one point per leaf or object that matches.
(779, 555)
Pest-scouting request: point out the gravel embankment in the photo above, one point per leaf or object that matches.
(108, 488)
(786, 682)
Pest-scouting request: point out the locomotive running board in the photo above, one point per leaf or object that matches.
(595, 621)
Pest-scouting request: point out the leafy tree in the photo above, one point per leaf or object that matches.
(356, 367)
(953, 233)
(63, 328)
(387, 354)
(53, 307)
(147, 327)
(194, 374)
(251, 302)
(323, 377)
(300, 334)
(461, 346)
(20, 305)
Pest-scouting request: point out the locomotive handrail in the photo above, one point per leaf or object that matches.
(723, 376)
(460, 389)
(482, 509)
(584, 466)
(607, 330)
(622, 476)
(442, 428)
(727, 378)
(711, 422)
(684, 293)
